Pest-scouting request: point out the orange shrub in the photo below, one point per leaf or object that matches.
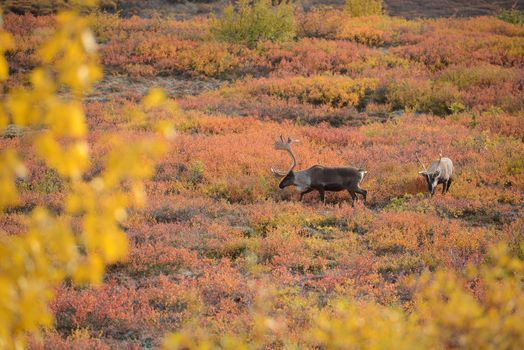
(498, 123)
(447, 42)
(109, 27)
(378, 30)
(78, 339)
(313, 56)
(320, 22)
(111, 308)
(485, 86)
(211, 59)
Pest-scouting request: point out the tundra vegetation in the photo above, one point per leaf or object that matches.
(202, 249)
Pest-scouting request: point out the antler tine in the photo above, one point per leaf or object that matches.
(282, 144)
(416, 155)
(285, 146)
(277, 173)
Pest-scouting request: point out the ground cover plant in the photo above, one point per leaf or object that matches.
(217, 256)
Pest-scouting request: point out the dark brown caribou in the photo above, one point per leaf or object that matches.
(319, 178)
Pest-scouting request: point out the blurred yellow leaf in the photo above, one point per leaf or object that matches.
(154, 98)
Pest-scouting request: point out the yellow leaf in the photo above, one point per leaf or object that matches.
(6, 42)
(18, 103)
(4, 69)
(154, 98)
(88, 41)
(41, 80)
(77, 126)
(3, 118)
(91, 271)
(114, 245)
(66, 119)
(166, 129)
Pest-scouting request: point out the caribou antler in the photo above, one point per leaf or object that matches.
(281, 144)
(425, 170)
(440, 156)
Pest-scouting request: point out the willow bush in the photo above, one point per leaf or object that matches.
(513, 16)
(251, 22)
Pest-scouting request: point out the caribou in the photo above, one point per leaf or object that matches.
(440, 172)
(319, 178)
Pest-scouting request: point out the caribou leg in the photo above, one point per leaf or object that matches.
(448, 185)
(322, 197)
(363, 192)
(304, 192)
(353, 198)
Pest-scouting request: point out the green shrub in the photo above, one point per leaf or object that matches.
(457, 107)
(513, 16)
(50, 183)
(249, 23)
(196, 172)
(358, 8)
(399, 203)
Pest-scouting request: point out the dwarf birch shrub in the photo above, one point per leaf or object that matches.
(249, 24)
(513, 16)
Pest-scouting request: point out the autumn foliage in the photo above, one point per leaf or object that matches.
(202, 248)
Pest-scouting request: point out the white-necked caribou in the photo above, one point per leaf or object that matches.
(319, 178)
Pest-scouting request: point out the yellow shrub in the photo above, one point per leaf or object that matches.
(35, 261)
(338, 91)
(210, 59)
(359, 8)
(364, 35)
